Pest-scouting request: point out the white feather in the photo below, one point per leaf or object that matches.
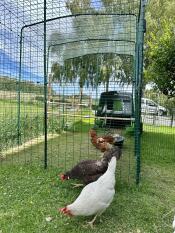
(96, 196)
(174, 224)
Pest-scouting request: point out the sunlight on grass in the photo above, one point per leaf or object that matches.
(159, 129)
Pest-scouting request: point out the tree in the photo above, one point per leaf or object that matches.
(93, 69)
(118, 6)
(162, 68)
(72, 71)
(160, 48)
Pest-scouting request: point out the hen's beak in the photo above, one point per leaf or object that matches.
(62, 210)
(65, 211)
(62, 177)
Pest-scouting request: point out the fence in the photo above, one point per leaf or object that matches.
(57, 61)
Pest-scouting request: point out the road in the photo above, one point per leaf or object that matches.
(158, 120)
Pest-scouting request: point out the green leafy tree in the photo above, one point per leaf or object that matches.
(160, 47)
(118, 6)
(162, 68)
(93, 69)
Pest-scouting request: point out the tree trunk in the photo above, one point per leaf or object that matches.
(172, 119)
(73, 101)
(107, 86)
(80, 100)
(90, 101)
(81, 95)
(49, 87)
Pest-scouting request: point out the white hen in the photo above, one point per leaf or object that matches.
(174, 224)
(95, 197)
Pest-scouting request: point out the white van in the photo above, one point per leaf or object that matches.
(150, 107)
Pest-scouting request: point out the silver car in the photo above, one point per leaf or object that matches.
(150, 107)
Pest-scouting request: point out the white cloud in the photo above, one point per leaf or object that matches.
(18, 13)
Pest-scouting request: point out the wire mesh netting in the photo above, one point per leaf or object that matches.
(71, 69)
(68, 67)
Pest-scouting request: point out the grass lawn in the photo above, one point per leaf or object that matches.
(9, 108)
(29, 194)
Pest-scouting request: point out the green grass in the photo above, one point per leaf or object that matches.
(10, 108)
(29, 194)
(31, 122)
(158, 143)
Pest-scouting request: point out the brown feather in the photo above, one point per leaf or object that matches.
(90, 170)
(101, 142)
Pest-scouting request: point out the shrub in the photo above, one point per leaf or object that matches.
(39, 98)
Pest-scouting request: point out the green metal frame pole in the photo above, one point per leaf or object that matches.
(76, 15)
(139, 75)
(96, 91)
(63, 108)
(19, 92)
(89, 39)
(137, 132)
(45, 89)
(133, 85)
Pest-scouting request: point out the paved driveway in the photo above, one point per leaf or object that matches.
(158, 120)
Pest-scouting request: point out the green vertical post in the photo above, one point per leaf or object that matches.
(19, 92)
(45, 89)
(63, 108)
(137, 118)
(138, 89)
(96, 91)
(133, 85)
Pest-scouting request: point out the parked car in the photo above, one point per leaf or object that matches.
(150, 107)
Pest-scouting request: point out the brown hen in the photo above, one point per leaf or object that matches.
(102, 143)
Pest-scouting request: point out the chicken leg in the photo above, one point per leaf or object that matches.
(92, 221)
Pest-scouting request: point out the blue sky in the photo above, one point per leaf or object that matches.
(16, 14)
(10, 67)
(97, 4)
(11, 22)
